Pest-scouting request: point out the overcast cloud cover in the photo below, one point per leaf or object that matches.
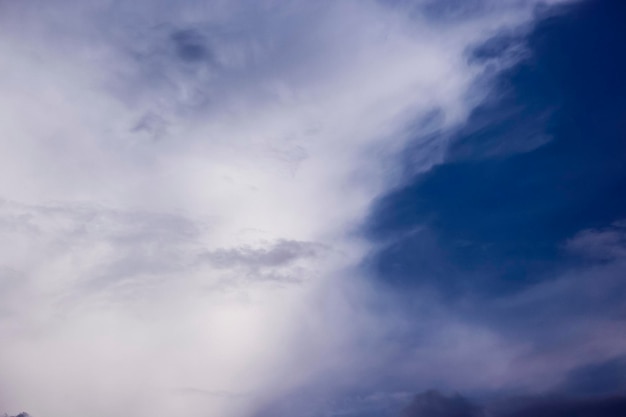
(192, 194)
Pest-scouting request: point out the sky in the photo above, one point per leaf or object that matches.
(261, 208)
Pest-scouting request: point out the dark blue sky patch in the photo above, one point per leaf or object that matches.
(531, 169)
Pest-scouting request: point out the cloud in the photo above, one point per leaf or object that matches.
(434, 404)
(614, 406)
(281, 261)
(189, 45)
(281, 253)
(182, 182)
(600, 245)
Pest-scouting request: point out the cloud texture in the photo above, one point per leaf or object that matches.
(182, 183)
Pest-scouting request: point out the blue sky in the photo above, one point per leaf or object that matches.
(534, 166)
(407, 208)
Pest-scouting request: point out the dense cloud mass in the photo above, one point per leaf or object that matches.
(304, 209)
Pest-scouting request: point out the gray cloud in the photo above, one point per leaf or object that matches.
(281, 261)
(434, 404)
(281, 253)
(190, 45)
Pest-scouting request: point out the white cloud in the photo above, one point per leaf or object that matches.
(603, 245)
(144, 140)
